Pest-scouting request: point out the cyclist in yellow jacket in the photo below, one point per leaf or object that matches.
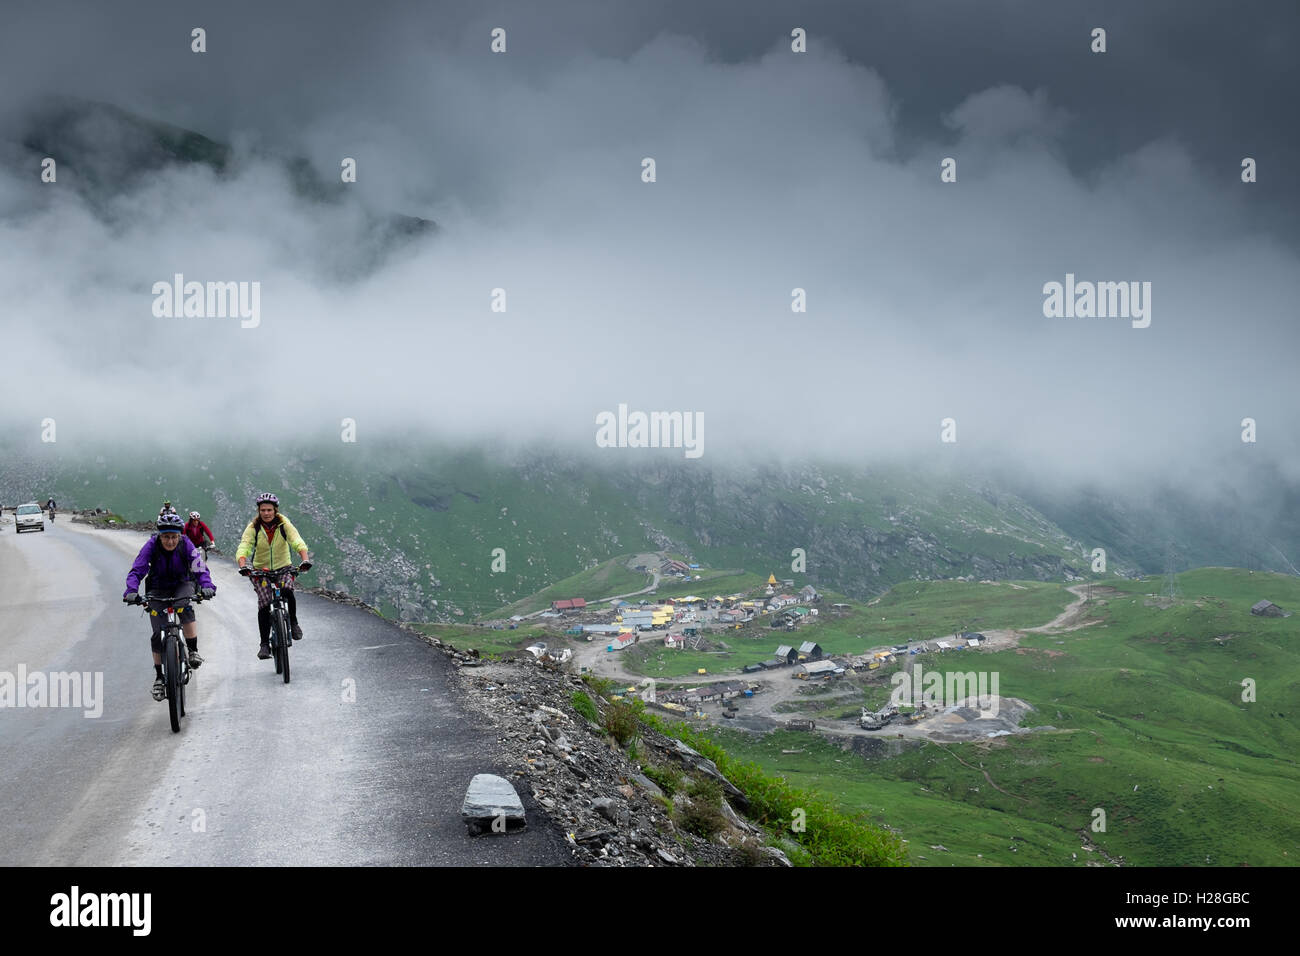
(270, 540)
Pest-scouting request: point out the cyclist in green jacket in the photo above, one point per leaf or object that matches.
(269, 541)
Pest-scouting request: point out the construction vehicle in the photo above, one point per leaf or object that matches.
(877, 719)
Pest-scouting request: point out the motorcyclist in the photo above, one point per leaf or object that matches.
(173, 569)
(267, 541)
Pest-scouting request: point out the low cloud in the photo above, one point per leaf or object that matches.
(774, 173)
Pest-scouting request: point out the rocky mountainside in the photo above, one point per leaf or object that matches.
(610, 811)
(414, 532)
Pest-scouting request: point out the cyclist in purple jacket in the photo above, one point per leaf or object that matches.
(174, 568)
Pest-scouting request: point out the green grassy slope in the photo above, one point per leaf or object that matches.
(1147, 699)
(607, 579)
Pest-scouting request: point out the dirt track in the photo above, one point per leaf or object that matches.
(1071, 619)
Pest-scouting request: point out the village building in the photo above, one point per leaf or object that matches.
(621, 642)
(646, 617)
(1268, 609)
(792, 616)
(569, 604)
(810, 650)
(817, 670)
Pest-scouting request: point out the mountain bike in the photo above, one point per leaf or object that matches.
(175, 658)
(281, 628)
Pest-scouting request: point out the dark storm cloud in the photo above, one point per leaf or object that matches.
(1220, 77)
(775, 172)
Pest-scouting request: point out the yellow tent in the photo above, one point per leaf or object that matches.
(771, 579)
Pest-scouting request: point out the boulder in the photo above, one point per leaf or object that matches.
(645, 783)
(696, 761)
(491, 799)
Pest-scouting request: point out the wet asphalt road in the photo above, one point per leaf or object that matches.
(363, 759)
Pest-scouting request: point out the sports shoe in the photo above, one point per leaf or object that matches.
(159, 690)
(297, 632)
(264, 652)
(195, 660)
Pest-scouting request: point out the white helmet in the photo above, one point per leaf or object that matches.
(194, 515)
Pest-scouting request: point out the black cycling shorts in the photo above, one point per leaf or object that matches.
(158, 615)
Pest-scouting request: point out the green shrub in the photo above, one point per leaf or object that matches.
(831, 837)
(600, 686)
(668, 776)
(706, 789)
(795, 853)
(703, 815)
(750, 853)
(623, 721)
(585, 706)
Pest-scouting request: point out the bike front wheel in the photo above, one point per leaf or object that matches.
(277, 645)
(172, 665)
(286, 638)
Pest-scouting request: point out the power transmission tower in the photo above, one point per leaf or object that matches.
(1171, 590)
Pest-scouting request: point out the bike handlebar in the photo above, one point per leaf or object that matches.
(263, 573)
(197, 598)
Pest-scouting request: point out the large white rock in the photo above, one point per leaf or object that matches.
(491, 799)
